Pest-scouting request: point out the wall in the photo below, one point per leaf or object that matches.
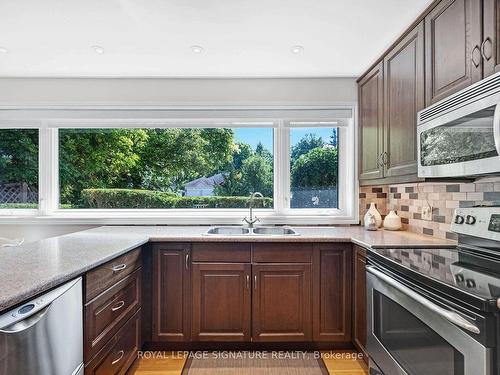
(183, 91)
(408, 200)
(175, 92)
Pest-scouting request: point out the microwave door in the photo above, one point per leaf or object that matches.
(460, 144)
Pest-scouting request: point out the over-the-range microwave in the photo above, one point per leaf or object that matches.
(460, 135)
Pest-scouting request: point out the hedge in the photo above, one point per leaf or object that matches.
(130, 198)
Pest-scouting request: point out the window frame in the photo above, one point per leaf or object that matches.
(49, 120)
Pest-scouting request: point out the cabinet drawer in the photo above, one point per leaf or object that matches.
(106, 313)
(120, 352)
(282, 253)
(108, 274)
(221, 252)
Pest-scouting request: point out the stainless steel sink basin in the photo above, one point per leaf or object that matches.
(244, 231)
(274, 231)
(228, 231)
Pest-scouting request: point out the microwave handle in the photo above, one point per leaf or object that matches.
(496, 127)
(448, 315)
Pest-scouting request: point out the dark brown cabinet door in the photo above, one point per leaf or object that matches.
(490, 47)
(359, 299)
(171, 292)
(371, 101)
(281, 302)
(452, 47)
(221, 301)
(332, 293)
(404, 96)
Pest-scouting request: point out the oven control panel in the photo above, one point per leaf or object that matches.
(481, 222)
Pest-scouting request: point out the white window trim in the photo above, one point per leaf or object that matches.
(49, 120)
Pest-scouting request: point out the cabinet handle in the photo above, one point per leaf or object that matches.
(385, 158)
(120, 356)
(255, 282)
(476, 64)
(118, 306)
(119, 267)
(187, 261)
(248, 281)
(483, 46)
(379, 163)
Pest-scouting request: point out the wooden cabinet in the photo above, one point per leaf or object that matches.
(403, 97)
(359, 300)
(281, 302)
(221, 301)
(371, 111)
(171, 292)
(452, 47)
(490, 47)
(332, 293)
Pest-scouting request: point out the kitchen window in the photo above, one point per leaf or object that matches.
(192, 165)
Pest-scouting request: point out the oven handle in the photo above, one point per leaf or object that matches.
(496, 127)
(448, 315)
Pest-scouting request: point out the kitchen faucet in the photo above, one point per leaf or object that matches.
(251, 220)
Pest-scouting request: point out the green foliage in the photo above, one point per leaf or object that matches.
(257, 174)
(19, 156)
(316, 169)
(128, 198)
(306, 144)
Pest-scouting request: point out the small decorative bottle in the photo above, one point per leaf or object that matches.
(392, 221)
(373, 211)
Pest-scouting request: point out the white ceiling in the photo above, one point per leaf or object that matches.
(241, 38)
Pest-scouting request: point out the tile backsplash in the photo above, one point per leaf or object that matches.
(408, 199)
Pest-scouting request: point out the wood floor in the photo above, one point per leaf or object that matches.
(167, 363)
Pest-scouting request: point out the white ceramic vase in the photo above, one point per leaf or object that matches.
(373, 211)
(392, 221)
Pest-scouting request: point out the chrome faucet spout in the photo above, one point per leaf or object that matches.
(250, 219)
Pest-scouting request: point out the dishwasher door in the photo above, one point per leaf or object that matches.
(45, 335)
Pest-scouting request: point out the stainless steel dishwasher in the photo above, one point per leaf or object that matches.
(44, 336)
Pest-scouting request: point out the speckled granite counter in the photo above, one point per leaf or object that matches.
(30, 269)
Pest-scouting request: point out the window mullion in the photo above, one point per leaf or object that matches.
(48, 167)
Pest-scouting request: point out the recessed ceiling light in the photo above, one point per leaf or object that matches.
(297, 49)
(197, 49)
(4, 50)
(98, 49)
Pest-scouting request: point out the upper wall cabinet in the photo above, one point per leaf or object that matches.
(371, 110)
(453, 43)
(403, 98)
(490, 48)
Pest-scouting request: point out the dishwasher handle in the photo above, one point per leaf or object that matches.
(27, 323)
(451, 316)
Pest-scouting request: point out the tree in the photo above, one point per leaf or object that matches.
(257, 175)
(316, 169)
(19, 156)
(306, 144)
(264, 152)
(98, 158)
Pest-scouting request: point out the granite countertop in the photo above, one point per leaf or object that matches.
(33, 268)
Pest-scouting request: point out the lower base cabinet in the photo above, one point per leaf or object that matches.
(120, 352)
(260, 292)
(282, 302)
(221, 295)
(359, 300)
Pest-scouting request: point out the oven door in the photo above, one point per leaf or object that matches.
(410, 334)
(463, 142)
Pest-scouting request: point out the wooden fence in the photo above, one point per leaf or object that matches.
(18, 193)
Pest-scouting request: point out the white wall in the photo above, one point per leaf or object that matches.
(139, 91)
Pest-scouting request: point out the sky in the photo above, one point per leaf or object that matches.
(253, 136)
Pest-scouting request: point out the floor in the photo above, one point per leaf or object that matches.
(167, 363)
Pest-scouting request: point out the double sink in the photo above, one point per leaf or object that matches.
(250, 231)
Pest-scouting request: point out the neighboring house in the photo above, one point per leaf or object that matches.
(204, 186)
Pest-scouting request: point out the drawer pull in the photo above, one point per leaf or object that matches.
(119, 267)
(118, 306)
(120, 356)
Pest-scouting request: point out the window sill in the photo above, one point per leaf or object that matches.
(128, 217)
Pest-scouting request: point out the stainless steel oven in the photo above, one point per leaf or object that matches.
(412, 332)
(460, 135)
